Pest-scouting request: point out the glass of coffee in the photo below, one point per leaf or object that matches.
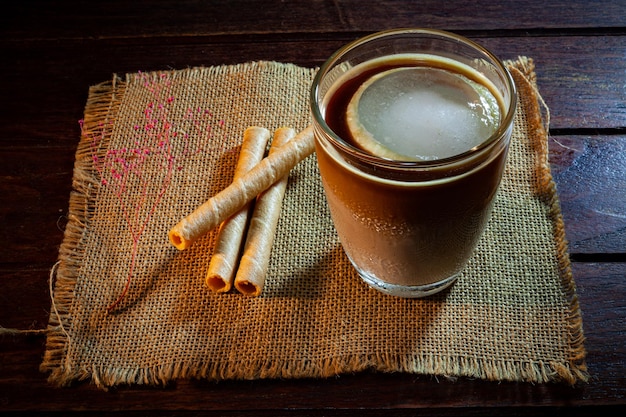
(412, 129)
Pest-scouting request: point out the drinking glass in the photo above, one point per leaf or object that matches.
(409, 227)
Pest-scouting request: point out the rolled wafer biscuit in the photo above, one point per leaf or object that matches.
(229, 239)
(254, 261)
(243, 190)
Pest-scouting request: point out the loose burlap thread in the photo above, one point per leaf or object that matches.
(156, 145)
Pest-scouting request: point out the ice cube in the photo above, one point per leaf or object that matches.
(421, 113)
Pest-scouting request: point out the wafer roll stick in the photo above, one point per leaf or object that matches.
(254, 261)
(243, 190)
(232, 230)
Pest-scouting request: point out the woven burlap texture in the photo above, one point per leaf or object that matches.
(157, 145)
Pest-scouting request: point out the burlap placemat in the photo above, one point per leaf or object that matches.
(157, 145)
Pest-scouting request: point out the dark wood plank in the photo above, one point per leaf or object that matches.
(24, 297)
(483, 15)
(35, 185)
(601, 290)
(31, 19)
(602, 296)
(576, 75)
(590, 173)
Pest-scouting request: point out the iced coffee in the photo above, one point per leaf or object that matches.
(411, 146)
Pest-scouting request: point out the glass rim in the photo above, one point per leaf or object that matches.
(499, 133)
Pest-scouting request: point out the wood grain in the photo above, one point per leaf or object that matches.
(30, 19)
(52, 51)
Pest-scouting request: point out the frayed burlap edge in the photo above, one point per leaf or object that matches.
(523, 72)
(104, 101)
(102, 106)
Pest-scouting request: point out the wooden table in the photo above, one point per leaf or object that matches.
(52, 51)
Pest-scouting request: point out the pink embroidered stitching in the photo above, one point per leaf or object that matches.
(156, 138)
